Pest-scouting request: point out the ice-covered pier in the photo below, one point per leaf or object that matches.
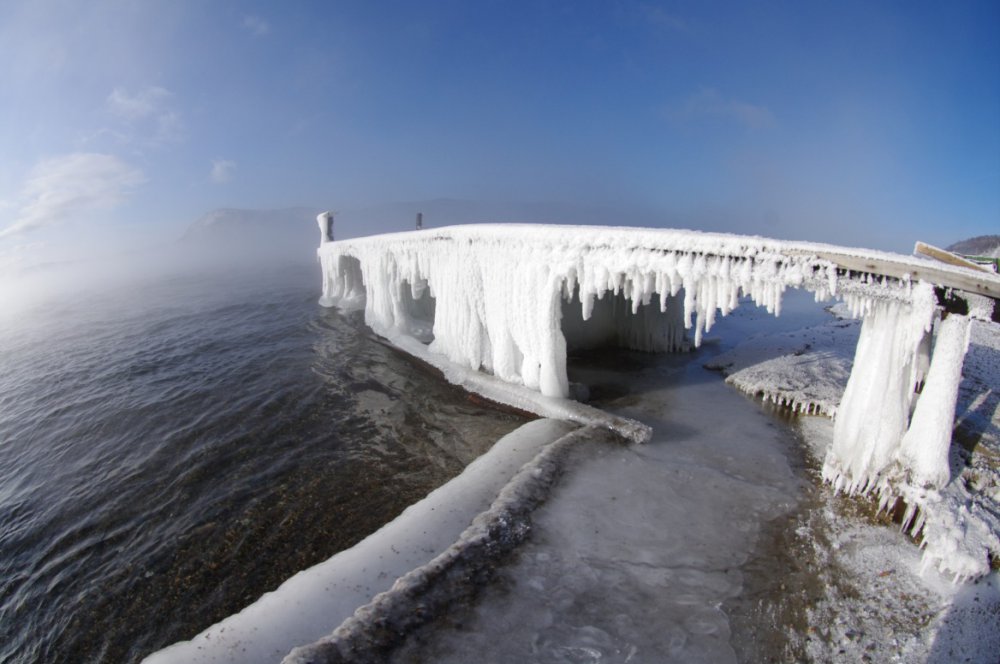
(498, 307)
(508, 301)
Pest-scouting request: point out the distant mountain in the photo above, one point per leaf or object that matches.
(401, 216)
(234, 230)
(984, 245)
(234, 224)
(234, 233)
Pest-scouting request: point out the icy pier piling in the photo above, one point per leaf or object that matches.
(511, 300)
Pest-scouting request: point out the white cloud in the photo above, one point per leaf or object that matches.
(661, 18)
(256, 26)
(168, 128)
(222, 170)
(144, 103)
(64, 187)
(707, 102)
(147, 115)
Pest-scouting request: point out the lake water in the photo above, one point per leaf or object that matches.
(172, 448)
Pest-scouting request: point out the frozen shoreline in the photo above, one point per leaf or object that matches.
(868, 558)
(887, 603)
(807, 370)
(311, 604)
(878, 600)
(861, 590)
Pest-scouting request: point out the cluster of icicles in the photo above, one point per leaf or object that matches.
(783, 400)
(495, 302)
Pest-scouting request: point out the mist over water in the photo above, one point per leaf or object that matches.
(173, 446)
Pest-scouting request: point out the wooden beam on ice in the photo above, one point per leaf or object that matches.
(978, 282)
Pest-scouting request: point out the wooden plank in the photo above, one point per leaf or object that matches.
(979, 282)
(946, 257)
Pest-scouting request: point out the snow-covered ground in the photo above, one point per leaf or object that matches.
(808, 370)
(862, 592)
(879, 599)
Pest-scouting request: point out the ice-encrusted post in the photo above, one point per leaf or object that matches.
(325, 221)
(924, 450)
(873, 414)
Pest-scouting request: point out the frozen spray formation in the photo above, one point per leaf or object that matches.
(510, 300)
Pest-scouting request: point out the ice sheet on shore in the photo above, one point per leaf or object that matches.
(805, 370)
(638, 546)
(311, 604)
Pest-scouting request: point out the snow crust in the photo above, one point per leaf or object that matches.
(804, 370)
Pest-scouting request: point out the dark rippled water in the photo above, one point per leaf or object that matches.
(171, 449)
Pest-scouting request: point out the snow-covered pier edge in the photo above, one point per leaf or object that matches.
(506, 303)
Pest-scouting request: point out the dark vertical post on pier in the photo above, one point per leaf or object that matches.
(420, 220)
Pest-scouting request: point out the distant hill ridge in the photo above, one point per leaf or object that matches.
(984, 245)
(294, 228)
(300, 222)
(229, 222)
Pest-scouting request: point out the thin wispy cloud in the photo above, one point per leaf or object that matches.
(256, 26)
(168, 128)
(222, 170)
(661, 18)
(147, 115)
(66, 187)
(141, 104)
(709, 103)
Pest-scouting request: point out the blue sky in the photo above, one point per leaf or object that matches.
(860, 123)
